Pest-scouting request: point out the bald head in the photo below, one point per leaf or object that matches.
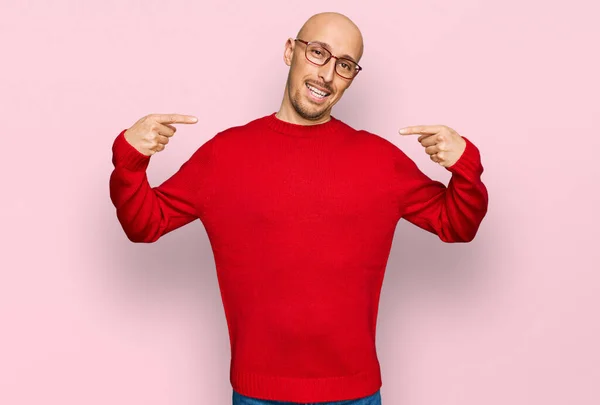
(339, 28)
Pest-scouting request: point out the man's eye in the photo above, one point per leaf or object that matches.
(345, 66)
(316, 52)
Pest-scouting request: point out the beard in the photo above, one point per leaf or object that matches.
(304, 110)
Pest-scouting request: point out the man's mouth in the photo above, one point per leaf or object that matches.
(317, 93)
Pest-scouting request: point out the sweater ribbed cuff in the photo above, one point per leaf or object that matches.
(128, 157)
(469, 163)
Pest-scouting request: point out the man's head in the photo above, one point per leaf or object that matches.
(342, 38)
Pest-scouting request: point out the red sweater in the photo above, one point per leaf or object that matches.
(300, 221)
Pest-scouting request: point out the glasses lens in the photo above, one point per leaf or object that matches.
(317, 54)
(346, 68)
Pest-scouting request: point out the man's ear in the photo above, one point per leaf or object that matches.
(289, 51)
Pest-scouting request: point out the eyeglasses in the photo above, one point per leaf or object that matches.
(318, 55)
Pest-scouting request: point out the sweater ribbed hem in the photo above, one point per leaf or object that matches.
(469, 163)
(291, 389)
(125, 155)
(298, 130)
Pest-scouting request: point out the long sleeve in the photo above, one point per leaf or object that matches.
(146, 213)
(455, 212)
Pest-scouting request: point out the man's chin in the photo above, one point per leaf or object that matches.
(313, 115)
(314, 112)
(309, 110)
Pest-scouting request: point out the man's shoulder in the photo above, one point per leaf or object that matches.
(377, 142)
(367, 138)
(241, 130)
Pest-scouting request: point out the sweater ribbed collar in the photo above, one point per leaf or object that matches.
(289, 128)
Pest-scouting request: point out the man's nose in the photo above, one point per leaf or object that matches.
(327, 71)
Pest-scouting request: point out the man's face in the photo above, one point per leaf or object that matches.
(307, 82)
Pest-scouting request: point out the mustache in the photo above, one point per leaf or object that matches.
(321, 85)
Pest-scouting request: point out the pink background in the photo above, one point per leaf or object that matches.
(88, 317)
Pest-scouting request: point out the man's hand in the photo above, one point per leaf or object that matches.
(151, 133)
(443, 144)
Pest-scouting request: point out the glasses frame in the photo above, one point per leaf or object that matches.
(331, 56)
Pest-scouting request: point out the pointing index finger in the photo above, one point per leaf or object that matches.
(421, 129)
(175, 119)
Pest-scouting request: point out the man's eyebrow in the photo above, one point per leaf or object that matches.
(328, 47)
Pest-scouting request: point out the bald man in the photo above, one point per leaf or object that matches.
(300, 210)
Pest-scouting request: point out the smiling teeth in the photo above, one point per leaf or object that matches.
(318, 93)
